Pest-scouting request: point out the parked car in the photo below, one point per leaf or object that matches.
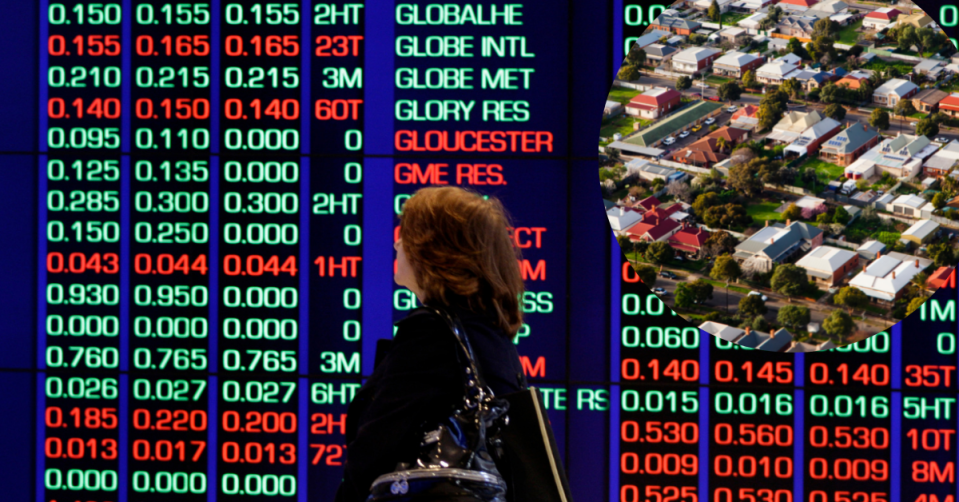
(942, 139)
(667, 274)
(696, 128)
(913, 124)
(709, 121)
(684, 134)
(732, 109)
(696, 95)
(712, 98)
(669, 140)
(760, 295)
(660, 291)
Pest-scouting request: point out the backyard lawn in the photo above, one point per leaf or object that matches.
(849, 35)
(622, 125)
(764, 211)
(622, 94)
(731, 18)
(826, 171)
(880, 65)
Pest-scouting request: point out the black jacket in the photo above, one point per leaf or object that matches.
(418, 379)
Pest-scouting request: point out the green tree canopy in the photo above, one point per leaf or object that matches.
(852, 298)
(628, 73)
(726, 269)
(744, 179)
(789, 280)
(835, 111)
(660, 252)
(793, 212)
(927, 127)
(751, 306)
(683, 83)
(793, 316)
(839, 324)
(730, 91)
(718, 243)
(647, 274)
(914, 304)
(879, 118)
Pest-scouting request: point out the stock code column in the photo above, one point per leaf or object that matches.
(659, 429)
(80, 300)
(169, 182)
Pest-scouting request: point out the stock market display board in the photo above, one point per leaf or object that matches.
(199, 203)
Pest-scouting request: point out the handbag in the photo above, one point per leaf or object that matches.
(454, 461)
(513, 447)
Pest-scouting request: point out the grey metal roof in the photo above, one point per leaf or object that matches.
(851, 138)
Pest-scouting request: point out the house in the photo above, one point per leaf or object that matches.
(861, 169)
(724, 5)
(921, 232)
(689, 240)
(724, 331)
(750, 6)
(889, 93)
(827, 9)
(901, 156)
(811, 347)
(745, 118)
(675, 25)
(950, 105)
(880, 19)
(775, 341)
(654, 103)
(789, 59)
(648, 204)
(751, 23)
(792, 125)
(650, 37)
(707, 151)
(612, 108)
(943, 276)
(810, 139)
(907, 205)
(927, 101)
(918, 20)
(695, 59)
(799, 27)
(649, 171)
(871, 250)
(799, 3)
(653, 228)
(930, 68)
(844, 148)
(777, 243)
(811, 79)
(735, 64)
(659, 53)
(829, 265)
(885, 279)
(734, 35)
(853, 80)
(940, 164)
(621, 218)
(774, 72)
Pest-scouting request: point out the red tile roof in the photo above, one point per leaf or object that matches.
(941, 277)
(804, 3)
(649, 203)
(652, 227)
(689, 239)
(888, 16)
(950, 103)
(746, 111)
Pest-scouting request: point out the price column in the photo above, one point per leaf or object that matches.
(927, 438)
(79, 303)
(849, 425)
(752, 438)
(259, 248)
(660, 426)
(336, 185)
(170, 257)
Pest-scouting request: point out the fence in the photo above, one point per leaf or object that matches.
(730, 232)
(787, 188)
(630, 85)
(845, 244)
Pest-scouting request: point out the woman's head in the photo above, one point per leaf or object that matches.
(455, 249)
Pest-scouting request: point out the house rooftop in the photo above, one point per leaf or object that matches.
(826, 259)
(737, 59)
(921, 229)
(899, 87)
(911, 200)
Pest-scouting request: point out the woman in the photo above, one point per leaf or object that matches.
(454, 251)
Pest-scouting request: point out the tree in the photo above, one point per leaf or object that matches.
(927, 127)
(919, 281)
(792, 87)
(940, 200)
(789, 280)
(771, 108)
(721, 143)
(835, 111)
(793, 316)
(904, 108)
(729, 91)
(714, 13)
(809, 213)
(680, 190)
(942, 254)
(637, 192)
(624, 243)
(728, 216)
(641, 247)
(906, 37)
(825, 27)
(794, 46)
(701, 290)
(684, 296)
(726, 269)
(879, 118)
(636, 57)
(914, 304)
(830, 93)
(741, 155)
(759, 324)
(683, 83)
(718, 243)
(628, 73)
(852, 298)
(660, 252)
(704, 201)
(840, 216)
(838, 324)
(793, 212)
(749, 79)
(743, 179)
(647, 274)
(751, 306)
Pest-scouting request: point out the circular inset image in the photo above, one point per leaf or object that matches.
(783, 175)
